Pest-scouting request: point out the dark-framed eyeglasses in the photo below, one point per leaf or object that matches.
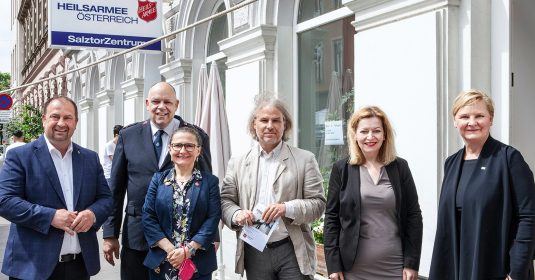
(190, 147)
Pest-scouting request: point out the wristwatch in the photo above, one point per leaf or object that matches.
(191, 249)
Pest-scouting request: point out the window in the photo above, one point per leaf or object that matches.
(325, 69)
(218, 32)
(309, 9)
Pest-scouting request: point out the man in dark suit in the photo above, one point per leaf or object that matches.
(141, 151)
(56, 197)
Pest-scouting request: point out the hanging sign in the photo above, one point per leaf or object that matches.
(334, 133)
(118, 24)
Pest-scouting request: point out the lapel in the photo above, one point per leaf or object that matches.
(195, 191)
(45, 160)
(165, 193)
(392, 169)
(166, 162)
(77, 170)
(147, 146)
(251, 165)
(353, 184)
(282, 160)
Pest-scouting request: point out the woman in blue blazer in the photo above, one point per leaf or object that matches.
(181, 212)
(486, 212)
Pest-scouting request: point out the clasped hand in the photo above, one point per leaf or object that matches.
(73, 221)
(176, 257)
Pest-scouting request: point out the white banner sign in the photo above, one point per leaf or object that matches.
(118, 24)
(334, 133)
(5, 116)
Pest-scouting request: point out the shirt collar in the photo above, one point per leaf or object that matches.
(51, 147)
(168, 129)
(274, 153)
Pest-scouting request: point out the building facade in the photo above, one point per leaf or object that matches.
(31, 60)
(324, 58)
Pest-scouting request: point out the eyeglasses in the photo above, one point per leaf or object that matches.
(190, 147)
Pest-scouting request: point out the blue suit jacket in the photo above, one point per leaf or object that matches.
(204, 214)
(30, 194)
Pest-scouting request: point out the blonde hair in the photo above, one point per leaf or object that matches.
(387, 152)
(470, 97)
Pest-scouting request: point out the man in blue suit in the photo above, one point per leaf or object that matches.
(141, 151)
(56, 197)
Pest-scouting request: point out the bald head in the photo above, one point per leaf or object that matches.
(161, 104)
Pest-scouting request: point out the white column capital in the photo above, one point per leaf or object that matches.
(133, 88)
(252, 45)
(374, 13)
(85, 104)
(105, 97)
(177, 71)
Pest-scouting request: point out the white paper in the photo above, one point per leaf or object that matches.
(334, 133)
(258, 234)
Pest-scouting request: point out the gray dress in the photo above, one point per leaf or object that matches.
(379, 253)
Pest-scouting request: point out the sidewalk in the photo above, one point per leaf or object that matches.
(108, 272)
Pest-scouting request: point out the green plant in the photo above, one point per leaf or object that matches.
(29, 122)
(317, 230)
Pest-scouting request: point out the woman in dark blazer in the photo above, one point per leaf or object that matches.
(373, 222)
(181, 212)
(486, 213)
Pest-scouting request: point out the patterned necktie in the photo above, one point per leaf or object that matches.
(158, 144)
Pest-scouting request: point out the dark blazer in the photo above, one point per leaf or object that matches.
(497, 227)
(342, 216)
(134, 164)
(204, 216)
(30, 194)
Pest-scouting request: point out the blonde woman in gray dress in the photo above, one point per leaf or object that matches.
(373, 222)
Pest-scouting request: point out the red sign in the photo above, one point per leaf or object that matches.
(146, 10)
(5, 101)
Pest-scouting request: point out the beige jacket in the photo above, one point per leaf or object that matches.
(298, 181)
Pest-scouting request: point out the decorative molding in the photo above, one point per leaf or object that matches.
(360, 5)
(252, 45)
(105, 97)
(133, 88)
(85, 104)
(177, 71)
(374, 13)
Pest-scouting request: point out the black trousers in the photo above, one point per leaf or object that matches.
(132, 267)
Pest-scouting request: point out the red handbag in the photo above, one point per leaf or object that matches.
(187, 268)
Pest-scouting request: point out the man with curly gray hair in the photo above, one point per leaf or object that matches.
(287, 181)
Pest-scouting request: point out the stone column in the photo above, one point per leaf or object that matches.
(134, 101)
(178, 74)
(86, 124)
(250, 71)
(105, 116)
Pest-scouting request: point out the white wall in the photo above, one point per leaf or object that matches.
(395, 69)
(523, 92)
(241, 87)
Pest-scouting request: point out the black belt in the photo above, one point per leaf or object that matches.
(278, 243)
(69, 257)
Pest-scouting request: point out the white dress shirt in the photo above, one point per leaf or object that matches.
(268, 163)
(168, 131)
(63, 165)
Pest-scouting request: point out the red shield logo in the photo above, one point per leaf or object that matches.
(146, 10)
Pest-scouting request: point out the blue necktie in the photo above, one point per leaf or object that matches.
(158, 144)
